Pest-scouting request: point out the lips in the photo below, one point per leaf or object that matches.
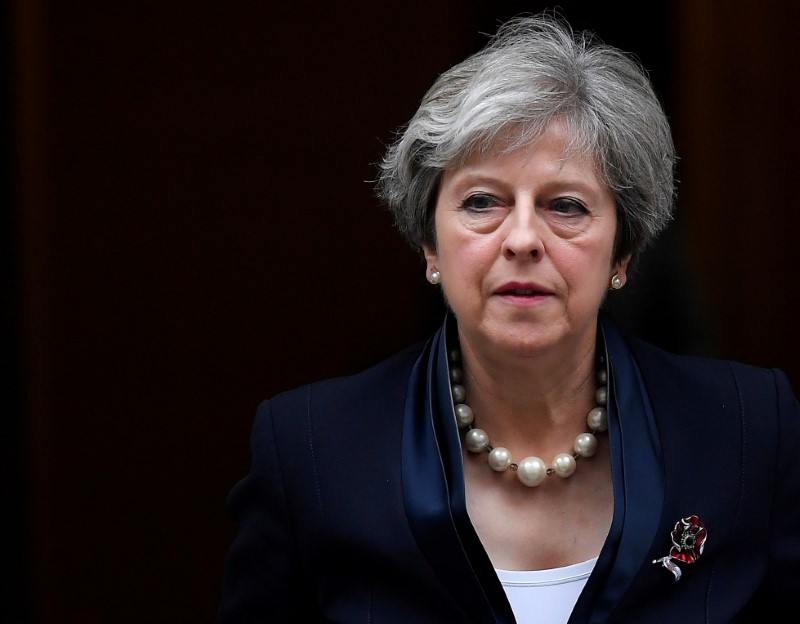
(520, 289)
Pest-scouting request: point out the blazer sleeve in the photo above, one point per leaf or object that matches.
(783, 518)
(262, 580)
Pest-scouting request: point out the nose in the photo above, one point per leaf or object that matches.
(523, 234)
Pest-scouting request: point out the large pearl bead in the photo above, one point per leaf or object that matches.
(585, 445)
(531, 471)
(476, 440)
(464, 415)
(597, 419)
(499, 459)
(564, 464)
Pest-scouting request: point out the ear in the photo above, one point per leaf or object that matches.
(620, 268)
(431, 258)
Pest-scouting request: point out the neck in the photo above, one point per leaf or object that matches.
(538, 392)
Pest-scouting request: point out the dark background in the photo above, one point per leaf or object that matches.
(188, 227)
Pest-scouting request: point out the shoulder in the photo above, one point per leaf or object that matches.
(715, 387)
(700, 383)
(387, 378)
(309, 429)
(699, 371)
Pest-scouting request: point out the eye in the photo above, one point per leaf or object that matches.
(479, 202)
(568, 206)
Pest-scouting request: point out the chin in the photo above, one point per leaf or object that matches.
(526, 340)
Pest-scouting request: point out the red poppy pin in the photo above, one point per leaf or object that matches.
(688, 540)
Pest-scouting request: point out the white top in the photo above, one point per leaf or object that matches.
(545, 596)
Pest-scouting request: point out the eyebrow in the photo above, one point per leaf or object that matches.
(465, 177)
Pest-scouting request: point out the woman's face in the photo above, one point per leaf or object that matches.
(524, 247)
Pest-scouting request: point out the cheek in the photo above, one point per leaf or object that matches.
(464, 269)
(586, 267)
(471, 259)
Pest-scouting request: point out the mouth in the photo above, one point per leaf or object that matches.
(521, 292)
(517, 289)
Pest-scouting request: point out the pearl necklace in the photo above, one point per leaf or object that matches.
(531, 471)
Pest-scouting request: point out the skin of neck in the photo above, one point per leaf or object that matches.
(545, 396)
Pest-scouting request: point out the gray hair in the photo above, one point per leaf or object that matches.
(534, 70)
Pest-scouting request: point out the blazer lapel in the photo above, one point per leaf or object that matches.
(638, 482)
(433, 489)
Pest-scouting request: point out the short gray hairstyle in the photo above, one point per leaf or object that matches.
(534, 70)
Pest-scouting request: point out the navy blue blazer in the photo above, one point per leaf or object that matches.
(354, 509)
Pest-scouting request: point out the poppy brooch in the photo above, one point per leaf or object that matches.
(688, 540)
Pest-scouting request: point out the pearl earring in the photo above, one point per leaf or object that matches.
(616, 282)
(435, 277)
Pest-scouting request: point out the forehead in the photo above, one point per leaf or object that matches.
(573, 144)
(554, 143)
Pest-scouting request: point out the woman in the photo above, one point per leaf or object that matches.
(529, 463)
